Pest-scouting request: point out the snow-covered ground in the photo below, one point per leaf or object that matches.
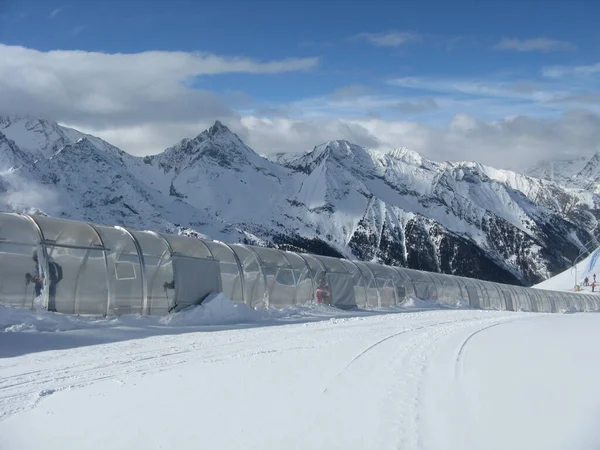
(306, 378)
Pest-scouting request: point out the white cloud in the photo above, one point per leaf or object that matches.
(488, 88)
(562, 71)
(116, 90)
(390, 38)
(54, 13)
(534, 45)
(586, 98)
(145, 102)
(349, 92)
(524, 96)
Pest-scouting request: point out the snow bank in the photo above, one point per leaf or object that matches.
(24, 319)
(415, 303)
(217, 309)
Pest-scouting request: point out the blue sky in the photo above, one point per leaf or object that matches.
(380, 72)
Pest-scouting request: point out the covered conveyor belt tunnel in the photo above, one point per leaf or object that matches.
(93, 269)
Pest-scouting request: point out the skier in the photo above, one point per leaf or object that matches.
(586, 281)
(323, 293)
(593, 285)
(55, 275)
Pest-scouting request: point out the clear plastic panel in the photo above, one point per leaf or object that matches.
(534, 299)
(271, 257)
(544, 304)
(496, 300)
(18, 242)
(388, 281)
(231, 281)
(370, 284)
(449, 292)
(317, 273)
(220, 251)
(255, 288)
(17, 229)
(551, 302)
(67, 232)
(296, 261)
(314, 264)
(231, 278)
(562, 302)
(76, 281)
(304, 281)
(409, 287)
(403, 285)
(473, 293)
(436, 286)
(16, 260)
(282, 286)
(496, 297)
(187, 246)
(594, 305)
(360, 292)
(159, 271)
(124, 272)
(524, 299)
(464, 295)
(516, 298)
(151, 244)
(424, 288)
(486, 295)
(332, 264)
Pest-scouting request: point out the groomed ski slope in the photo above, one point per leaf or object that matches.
(306, 379)
(565, 281)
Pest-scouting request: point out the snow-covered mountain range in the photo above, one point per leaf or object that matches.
(580, 172)
(338, 199)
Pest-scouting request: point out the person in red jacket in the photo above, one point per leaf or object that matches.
(323, 295)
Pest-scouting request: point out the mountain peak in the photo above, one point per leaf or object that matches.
(218, 128)
(218, 143)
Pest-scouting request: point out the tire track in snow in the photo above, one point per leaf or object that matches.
(385, 339)
(410, 368)
(22, 392)
(459, 360)
(397, 364)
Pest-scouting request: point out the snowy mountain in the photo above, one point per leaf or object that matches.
(338, 199)
(581, 172)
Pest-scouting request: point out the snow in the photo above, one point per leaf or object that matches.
(308, 378)
(565, 281)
